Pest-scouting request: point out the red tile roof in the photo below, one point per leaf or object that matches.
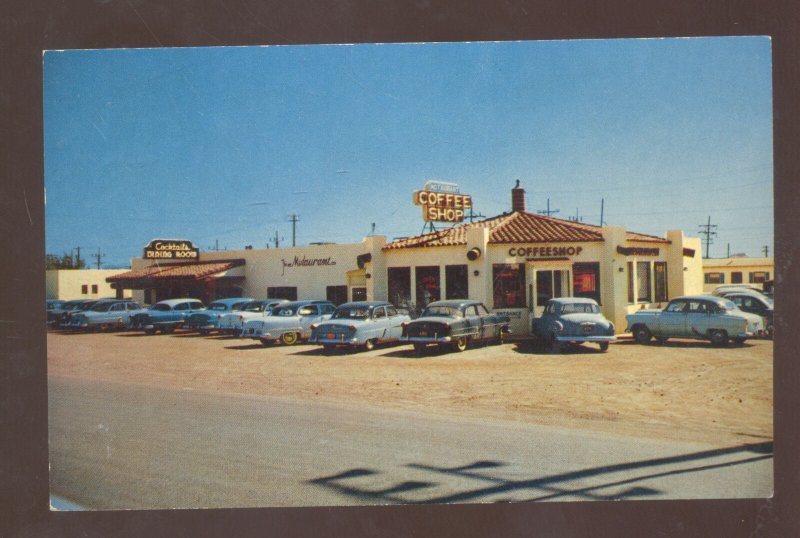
(516, 227)
(192, 271)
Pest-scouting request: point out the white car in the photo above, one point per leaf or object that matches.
(233, 322)
(289, 322)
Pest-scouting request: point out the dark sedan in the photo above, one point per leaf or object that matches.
(454, 324)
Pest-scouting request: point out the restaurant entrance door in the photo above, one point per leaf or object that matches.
(547, 280)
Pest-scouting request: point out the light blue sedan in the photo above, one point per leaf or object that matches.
(208, 320)
(360, 324)
(573, 320)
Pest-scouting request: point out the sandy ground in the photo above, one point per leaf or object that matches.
(683, 390)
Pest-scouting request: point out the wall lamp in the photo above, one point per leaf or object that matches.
(473, 254)
(476, 272)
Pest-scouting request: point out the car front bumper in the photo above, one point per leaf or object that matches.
(426, 339)
(568, 338)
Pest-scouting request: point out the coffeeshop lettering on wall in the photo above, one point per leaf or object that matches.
(545, 251)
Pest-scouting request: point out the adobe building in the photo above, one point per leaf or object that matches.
(737, 270)
(513, 263)
(68, 284)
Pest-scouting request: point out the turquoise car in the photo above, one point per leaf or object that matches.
(703, 317)
(165, 316)
(361, 324)
(573, 320)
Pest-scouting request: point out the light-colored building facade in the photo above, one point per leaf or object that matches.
(513, 263)
(737, 270)
(67, 284)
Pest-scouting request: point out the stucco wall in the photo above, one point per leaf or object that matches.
(726, 266)
(67, 284)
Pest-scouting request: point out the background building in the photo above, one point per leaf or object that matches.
(69, 284)
(737, 270)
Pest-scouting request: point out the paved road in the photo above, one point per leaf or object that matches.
(126, 446)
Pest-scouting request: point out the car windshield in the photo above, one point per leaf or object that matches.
(101, 307)
(351, 312)
(726, 305)
(579, 308)
(254, 306)
(217, 306)
(284, 311)
(160, 306)
(442, 311)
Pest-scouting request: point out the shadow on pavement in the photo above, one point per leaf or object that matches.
(490, 485)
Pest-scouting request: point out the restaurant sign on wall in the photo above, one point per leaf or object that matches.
(171, 249)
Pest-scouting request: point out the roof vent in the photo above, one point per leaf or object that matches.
(517, 198)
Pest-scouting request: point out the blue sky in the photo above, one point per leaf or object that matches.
(222, 145)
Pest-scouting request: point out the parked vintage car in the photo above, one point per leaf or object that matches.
(105, 314)
(754, 303)
(572, 320)
(233, 322)
(454, 323)
(208, 320)
(165, 316)
(59, 317)
(705, 317)
(289, 322)
(360, 324)
(721, 291)
(52, 304)
(54, 311)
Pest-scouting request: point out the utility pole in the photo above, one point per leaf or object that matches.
(293, 219)
(729, 251)
(98, 256)
(708, 233)
(77, 264)
(472, 216)
(766, 251)
(547, 211)
(602, 207)
(276, 238)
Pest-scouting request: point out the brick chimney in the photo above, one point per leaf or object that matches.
(517, 198)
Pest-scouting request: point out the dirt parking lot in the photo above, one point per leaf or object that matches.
(683, 390)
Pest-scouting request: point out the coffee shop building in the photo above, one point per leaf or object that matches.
(513, 263)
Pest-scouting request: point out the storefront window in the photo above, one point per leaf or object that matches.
(85, 289)
(714, 278)
(456, 282)
(586, 280)
(643, 282)
(759, 277)
(509, 285)
(660, 277)
(736, 277)
(282, 292)
(428, 289)
(400, 286)
(336, 294)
